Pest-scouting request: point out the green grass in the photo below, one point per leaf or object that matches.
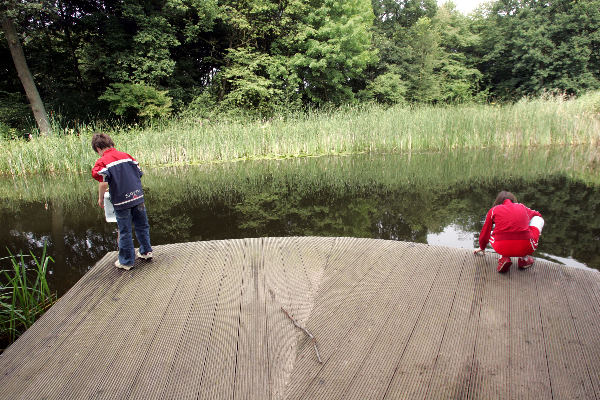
(23, 299)
(348, 130)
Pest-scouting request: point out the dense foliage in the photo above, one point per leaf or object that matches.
(139, 59)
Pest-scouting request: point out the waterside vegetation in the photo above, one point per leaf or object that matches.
(544, 121)
(24, 295)
(226, 181)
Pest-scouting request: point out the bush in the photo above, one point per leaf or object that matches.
(388, 88)
(6, 132)
(135, 101)
(15, 113)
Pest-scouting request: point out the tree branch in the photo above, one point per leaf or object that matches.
(312, 338)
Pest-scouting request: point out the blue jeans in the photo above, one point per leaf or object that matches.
(137, 215)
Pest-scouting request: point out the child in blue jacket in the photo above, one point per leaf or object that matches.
(120, 174)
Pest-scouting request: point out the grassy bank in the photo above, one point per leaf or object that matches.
(349, 130)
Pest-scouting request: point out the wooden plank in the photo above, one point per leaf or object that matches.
(50, 332)
(166, 308)
(409, 287)
(251, 365)
(569, 377)
(173, 365)
(83, 353)
(489, 373)
(392, 319)
(293, 269)
(452, 371)
(585, 310)
(340, 303)
(337, 374)
(414, 370)
(218, 375)
(108, 367)
(116, 379)
(528, 373)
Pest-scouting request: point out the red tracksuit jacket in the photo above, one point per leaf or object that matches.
(510, 221)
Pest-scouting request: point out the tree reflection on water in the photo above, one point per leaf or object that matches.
(404, 198)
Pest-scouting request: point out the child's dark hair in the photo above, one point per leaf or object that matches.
(503, 195)
(101, 141)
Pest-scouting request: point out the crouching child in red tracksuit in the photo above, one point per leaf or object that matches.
(516, 231)
(120, 174)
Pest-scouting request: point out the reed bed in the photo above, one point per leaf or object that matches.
(24, 295)
(348, 130)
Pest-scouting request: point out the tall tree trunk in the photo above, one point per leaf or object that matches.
(39, 112)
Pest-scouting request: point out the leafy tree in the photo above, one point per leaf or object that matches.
(200, 49)
(259, 55)
(392, 38)
(459, 79)
(531, 47)
(251, 80)
(131, 44)
(425, 53)
(281, 53)
(329, 47)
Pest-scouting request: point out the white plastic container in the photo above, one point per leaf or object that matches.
(109, 209)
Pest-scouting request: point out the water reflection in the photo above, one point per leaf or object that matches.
(454, 236)
(429, 198)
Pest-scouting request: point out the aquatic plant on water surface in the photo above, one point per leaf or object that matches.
(24, 294)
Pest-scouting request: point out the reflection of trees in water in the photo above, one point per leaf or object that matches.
(570, 209)
(572, 214)
(75, 240)
(80, 251)
(78, 237)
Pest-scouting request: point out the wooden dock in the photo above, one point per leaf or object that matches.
(392, 320)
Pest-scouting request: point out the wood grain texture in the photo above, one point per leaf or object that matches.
(393, 320)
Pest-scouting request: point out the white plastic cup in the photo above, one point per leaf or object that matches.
(538, 222)
(109, 209)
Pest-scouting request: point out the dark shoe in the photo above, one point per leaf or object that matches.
(504, 264)
(147, 256)
(121, 266)
(525, 262)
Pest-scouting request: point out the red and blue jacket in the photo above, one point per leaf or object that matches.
(123, 174)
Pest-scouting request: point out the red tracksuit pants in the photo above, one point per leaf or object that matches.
(517, 248)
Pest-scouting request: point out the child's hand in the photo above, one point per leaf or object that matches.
(482, 251)
(101, 202)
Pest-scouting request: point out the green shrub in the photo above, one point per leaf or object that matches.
(135, 101)
(14, 112)
(249, 81)
(388, 88)
(203, 106)
(6, 132)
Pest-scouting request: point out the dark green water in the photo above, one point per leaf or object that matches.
(427, 198)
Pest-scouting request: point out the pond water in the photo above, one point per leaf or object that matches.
(439, 199)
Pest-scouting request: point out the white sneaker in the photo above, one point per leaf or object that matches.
(147, 256)
(121, 266)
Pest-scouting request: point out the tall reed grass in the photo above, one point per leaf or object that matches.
(24, 295)
(552, 121)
